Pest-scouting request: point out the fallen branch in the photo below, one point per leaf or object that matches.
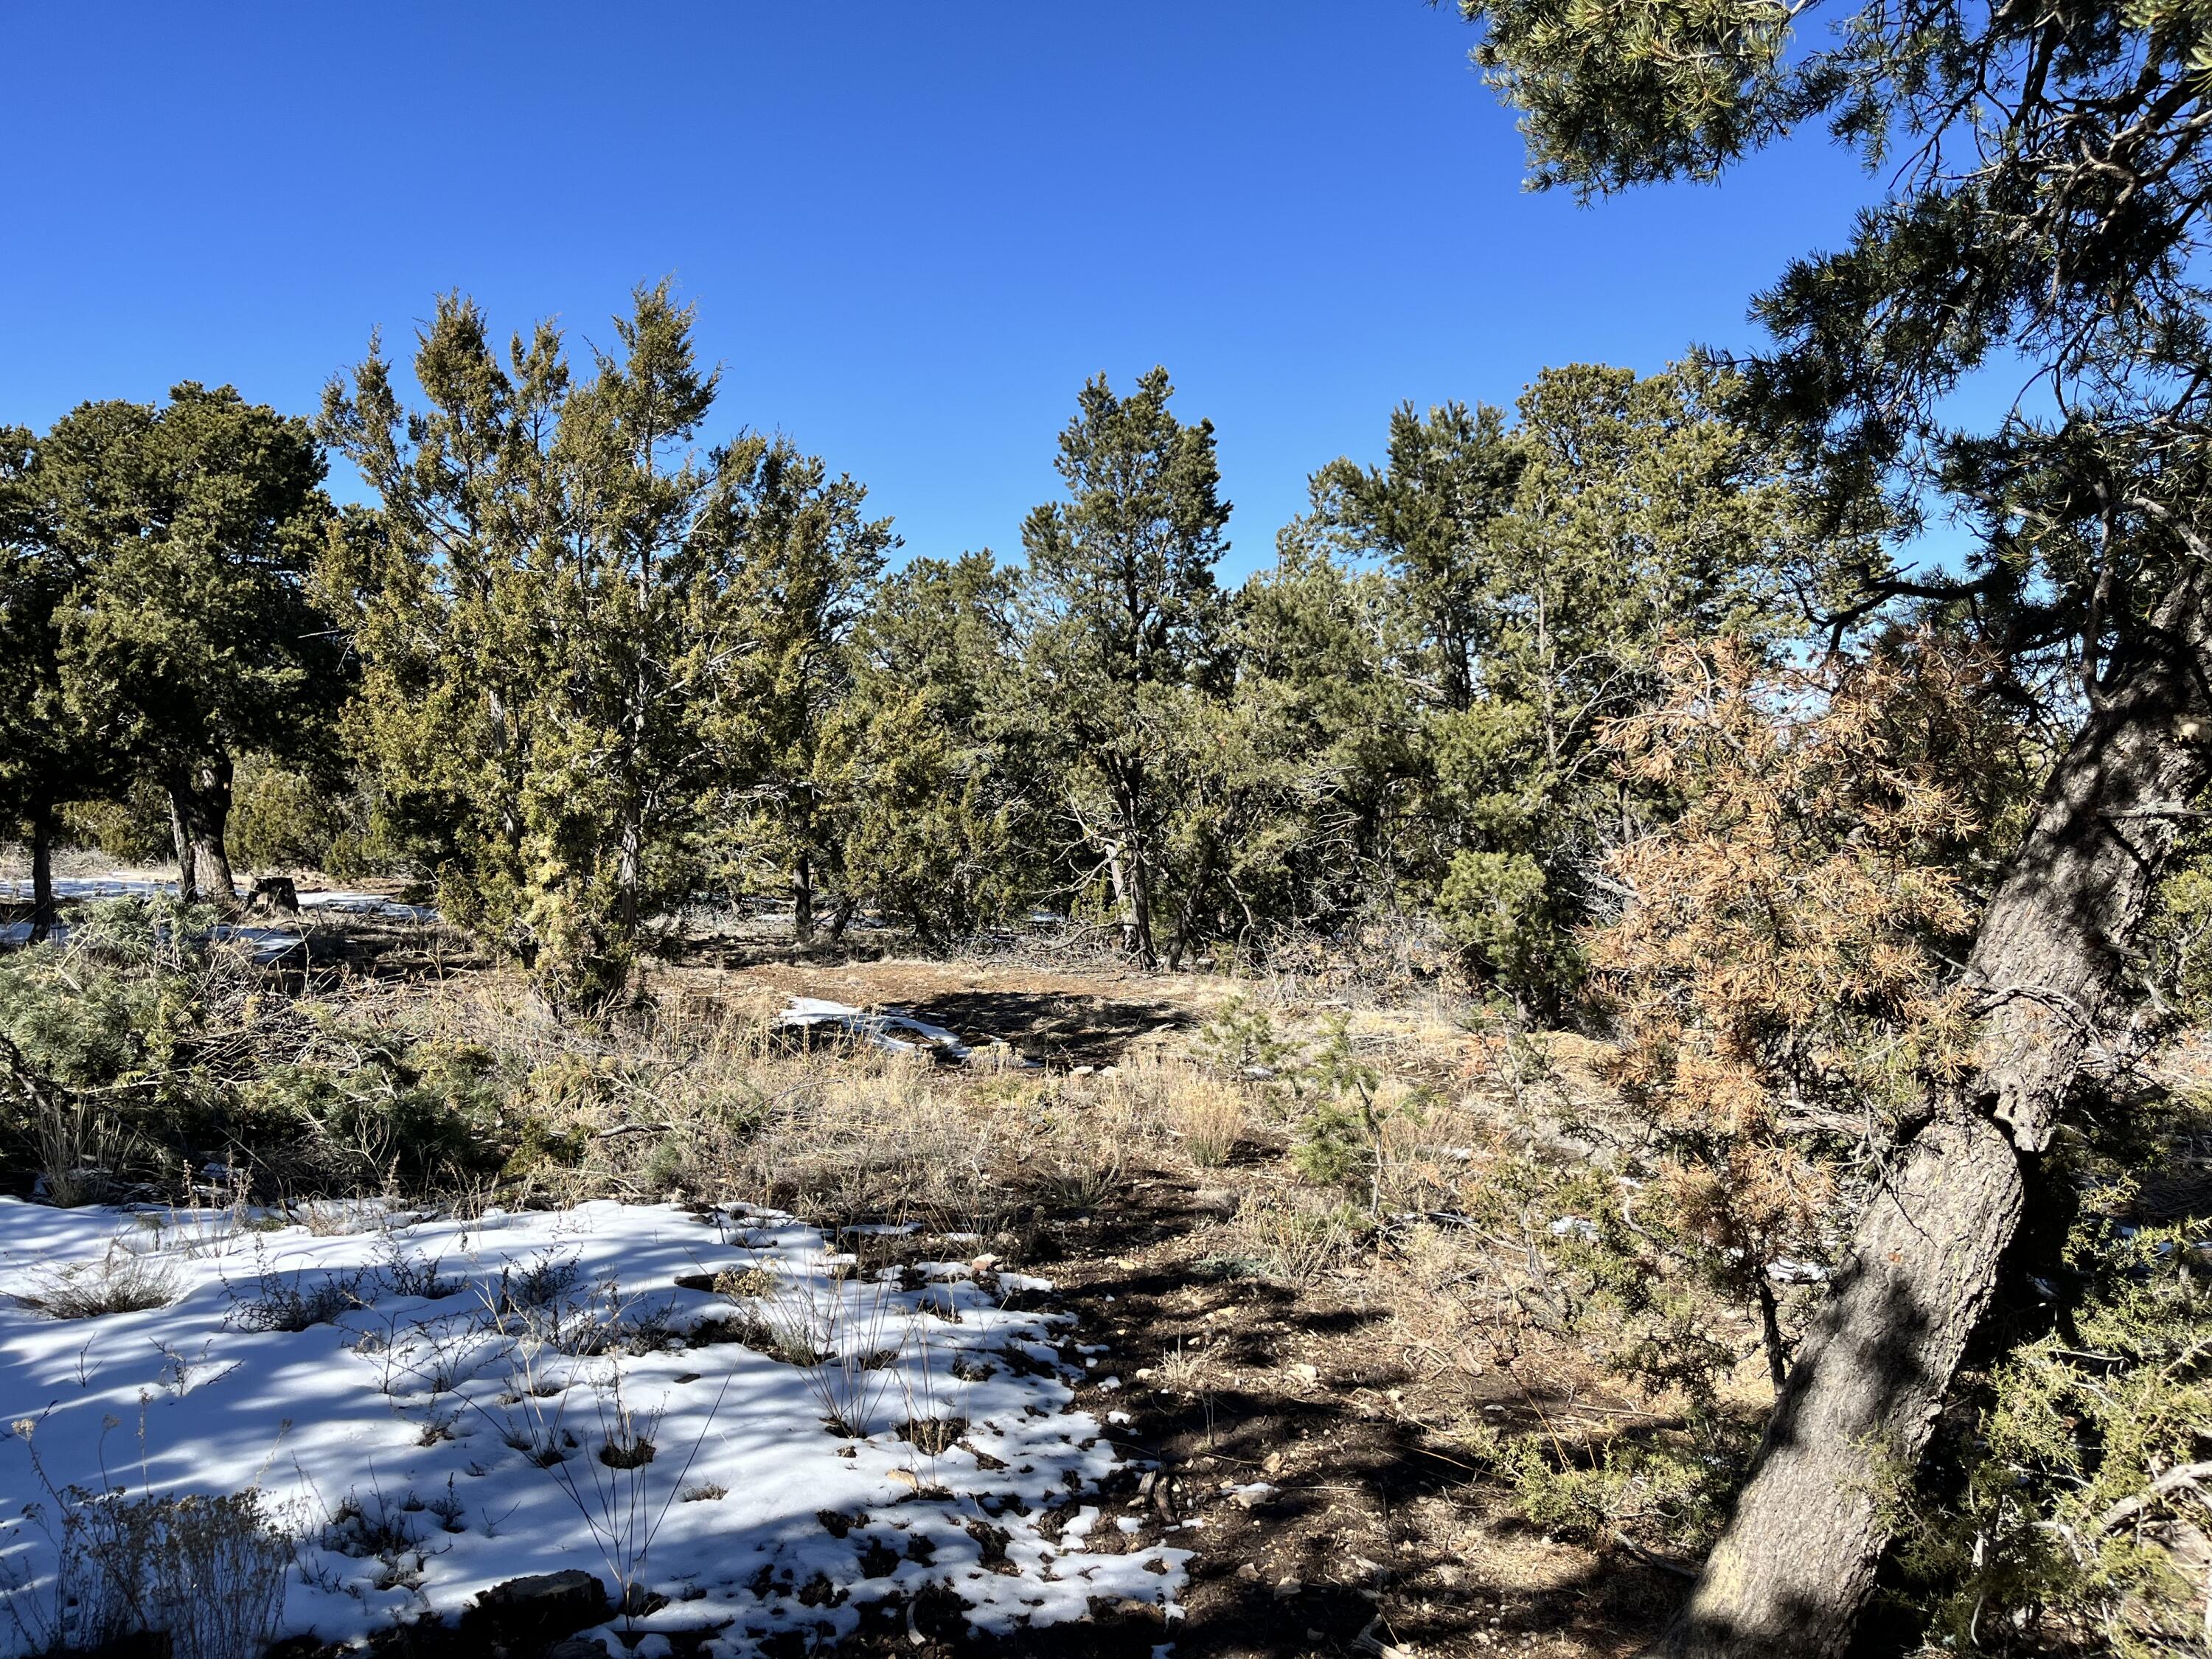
(2184, 1474)
(1650, 1558)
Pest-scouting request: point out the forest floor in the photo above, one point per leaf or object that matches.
(1378, 1535)
(1305, 1403)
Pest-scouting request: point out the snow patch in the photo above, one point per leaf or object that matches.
(886, 1028)
(393, 1372)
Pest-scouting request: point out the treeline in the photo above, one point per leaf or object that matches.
(575, 664)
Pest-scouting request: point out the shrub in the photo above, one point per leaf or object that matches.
(280, 820)
(209, 1573)
(296, 1302)
(1240, 1040)
(2063, 1507)
(122, 1281)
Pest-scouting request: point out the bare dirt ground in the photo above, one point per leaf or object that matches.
(1274, 1428)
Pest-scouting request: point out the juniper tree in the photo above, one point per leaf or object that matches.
(1537, 568)
(1124, 616)
(2047, 176)
(1318, 646)
(547, 608)
(809, 560)
(941, 823)
(184, 537)
(43, 758)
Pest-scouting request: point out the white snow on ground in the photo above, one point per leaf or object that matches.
(104, 887)
(886, 1028)
(418, 1411)
(269, 944)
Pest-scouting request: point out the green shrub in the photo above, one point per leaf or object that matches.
(135, 828)
(390, 1112)
(280, 820)
(1240, 1040)
(1498, 909)
(2054, 1518)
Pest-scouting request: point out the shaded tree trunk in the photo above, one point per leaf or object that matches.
(630, 870)
(199, 814)
(43, 912)
(1797, 1562)
(802, 898)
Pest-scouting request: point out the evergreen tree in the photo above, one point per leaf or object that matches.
(1124, 618)
(548, 606)
(1538, 571)
(942, 825)
(1432, 511)
(1318, 684)
(187, 535)
(44, 756)
(809, 561)
(2046, 183)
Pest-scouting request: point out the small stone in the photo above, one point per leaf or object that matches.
(1249, 1573)
(1306, 1374)
(1286, 1587)
(1274, 1465)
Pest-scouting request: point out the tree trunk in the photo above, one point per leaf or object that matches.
(1795, 1567)
(43, 913)
(1140, 912)
(802, 899)
(199, 811)
(630, 870)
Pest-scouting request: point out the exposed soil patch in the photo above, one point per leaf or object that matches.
(1331, 1522)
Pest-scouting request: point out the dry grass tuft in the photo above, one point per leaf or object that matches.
(121, 1281)
(1211, 1117)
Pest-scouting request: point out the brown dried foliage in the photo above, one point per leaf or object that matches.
(1784, 977)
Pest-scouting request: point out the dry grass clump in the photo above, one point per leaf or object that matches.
(1298, 1239)
(121, 1281)
(758, 1282)
(192, 1577)
(1211, 1117)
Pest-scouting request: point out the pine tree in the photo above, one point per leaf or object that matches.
(1124, 616)
(2044, 217)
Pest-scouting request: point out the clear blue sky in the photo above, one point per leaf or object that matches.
(911, 231)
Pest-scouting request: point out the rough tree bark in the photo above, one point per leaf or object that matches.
(43, 912)
(199, 814)
(1795, 1567)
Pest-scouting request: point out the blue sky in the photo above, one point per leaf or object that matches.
(911, 232)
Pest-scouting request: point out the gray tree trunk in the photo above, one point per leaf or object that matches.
(1797, 1562)
(802, 899)
(199, 814)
